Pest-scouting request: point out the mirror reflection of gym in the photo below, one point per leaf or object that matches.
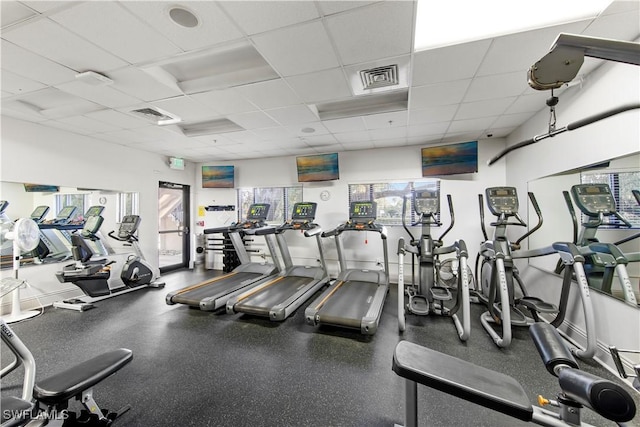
(622, 176)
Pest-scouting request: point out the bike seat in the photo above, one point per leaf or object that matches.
(72, 382)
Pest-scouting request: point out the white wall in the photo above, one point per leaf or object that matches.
(609, 86)
(370, 166)
(37, 154)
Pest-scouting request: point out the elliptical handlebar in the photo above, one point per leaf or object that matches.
(536, 208)
(482, 226)
(451, 215)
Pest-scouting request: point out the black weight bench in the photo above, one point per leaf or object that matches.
(46, 401)
(457, 377)
(504, 394)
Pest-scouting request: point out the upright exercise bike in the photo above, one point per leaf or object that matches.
(429, 294)
(136, 270)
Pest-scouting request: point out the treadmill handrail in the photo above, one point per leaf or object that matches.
(360, 226)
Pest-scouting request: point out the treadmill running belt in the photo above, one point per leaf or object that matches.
(264, 300)
(348, 305)
(197, 293)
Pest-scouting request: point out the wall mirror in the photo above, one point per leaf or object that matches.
(623, 175)
(26, 199)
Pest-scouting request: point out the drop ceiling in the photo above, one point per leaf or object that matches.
(270, 78)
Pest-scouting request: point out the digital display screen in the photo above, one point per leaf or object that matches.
(258, 211)
(94, 211)
(66, 212)
(39, 212)
(363, 210)
(305, 211)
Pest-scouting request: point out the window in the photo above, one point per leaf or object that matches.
(389, 197)
(127, 204)
(621, 184)
(281, 200)
(77, 200)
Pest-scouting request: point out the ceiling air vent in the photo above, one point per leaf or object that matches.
(379, 77)
(157, 116)
(210, 127)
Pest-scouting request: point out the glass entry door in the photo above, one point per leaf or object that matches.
(173, 226)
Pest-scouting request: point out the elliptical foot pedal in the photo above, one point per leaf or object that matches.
(440, 293)
(517, 317)
(538, 305)
(158, 285)
(418, 304)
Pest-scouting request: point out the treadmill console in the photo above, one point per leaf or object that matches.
(258, 212)
(94, 211)
(426, 202)
(363, 212)
(594, 199)
(39, 213)
(65, 215)
(502, 200)
(304, 211)
(91, 227)
(3, 206)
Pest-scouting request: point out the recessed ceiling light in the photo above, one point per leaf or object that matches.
(183, 17)
(441, 24)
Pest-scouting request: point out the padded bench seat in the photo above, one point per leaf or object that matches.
(67, 384)
(15, 411)
(462, 379)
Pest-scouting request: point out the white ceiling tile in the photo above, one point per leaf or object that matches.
(352, 137)
(386, 120)
(497, 86)
(186, 108)
(118, 119)
(373, 32)
(88, 124)
(244, 136)
(388, 133)
(225, 102)
(321, 86)
(274, 133)
(428, 129)
(69, 127)
(486, 108)
(438, 94)
(318, 140)
(440, 113)
(269, 94)
(17, 84)
(137, 83)
(295, 114)
(133, 41)
(425, 139)
(318, 128)
(49, 5)
(350, 124)
(259, 16)
(123, 137)
(213, 27)
(13, 12)
(621, 26)
(50, 40)
(32, 66)
(471, 124)
(103, 95)
(529, 103)
(396, 142)
(512, 120)
(518, 52)
(358, 145)
(297, 50)
(447, 64)
(330, 7)
(252, 120)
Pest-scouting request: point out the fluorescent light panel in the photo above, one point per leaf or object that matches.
(444, 23)
(365, 105)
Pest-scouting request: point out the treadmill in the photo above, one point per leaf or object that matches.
(356, 298)
(213, 294)
(280, 295)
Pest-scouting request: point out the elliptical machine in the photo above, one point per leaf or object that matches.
(136, 270)
(429, 295)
